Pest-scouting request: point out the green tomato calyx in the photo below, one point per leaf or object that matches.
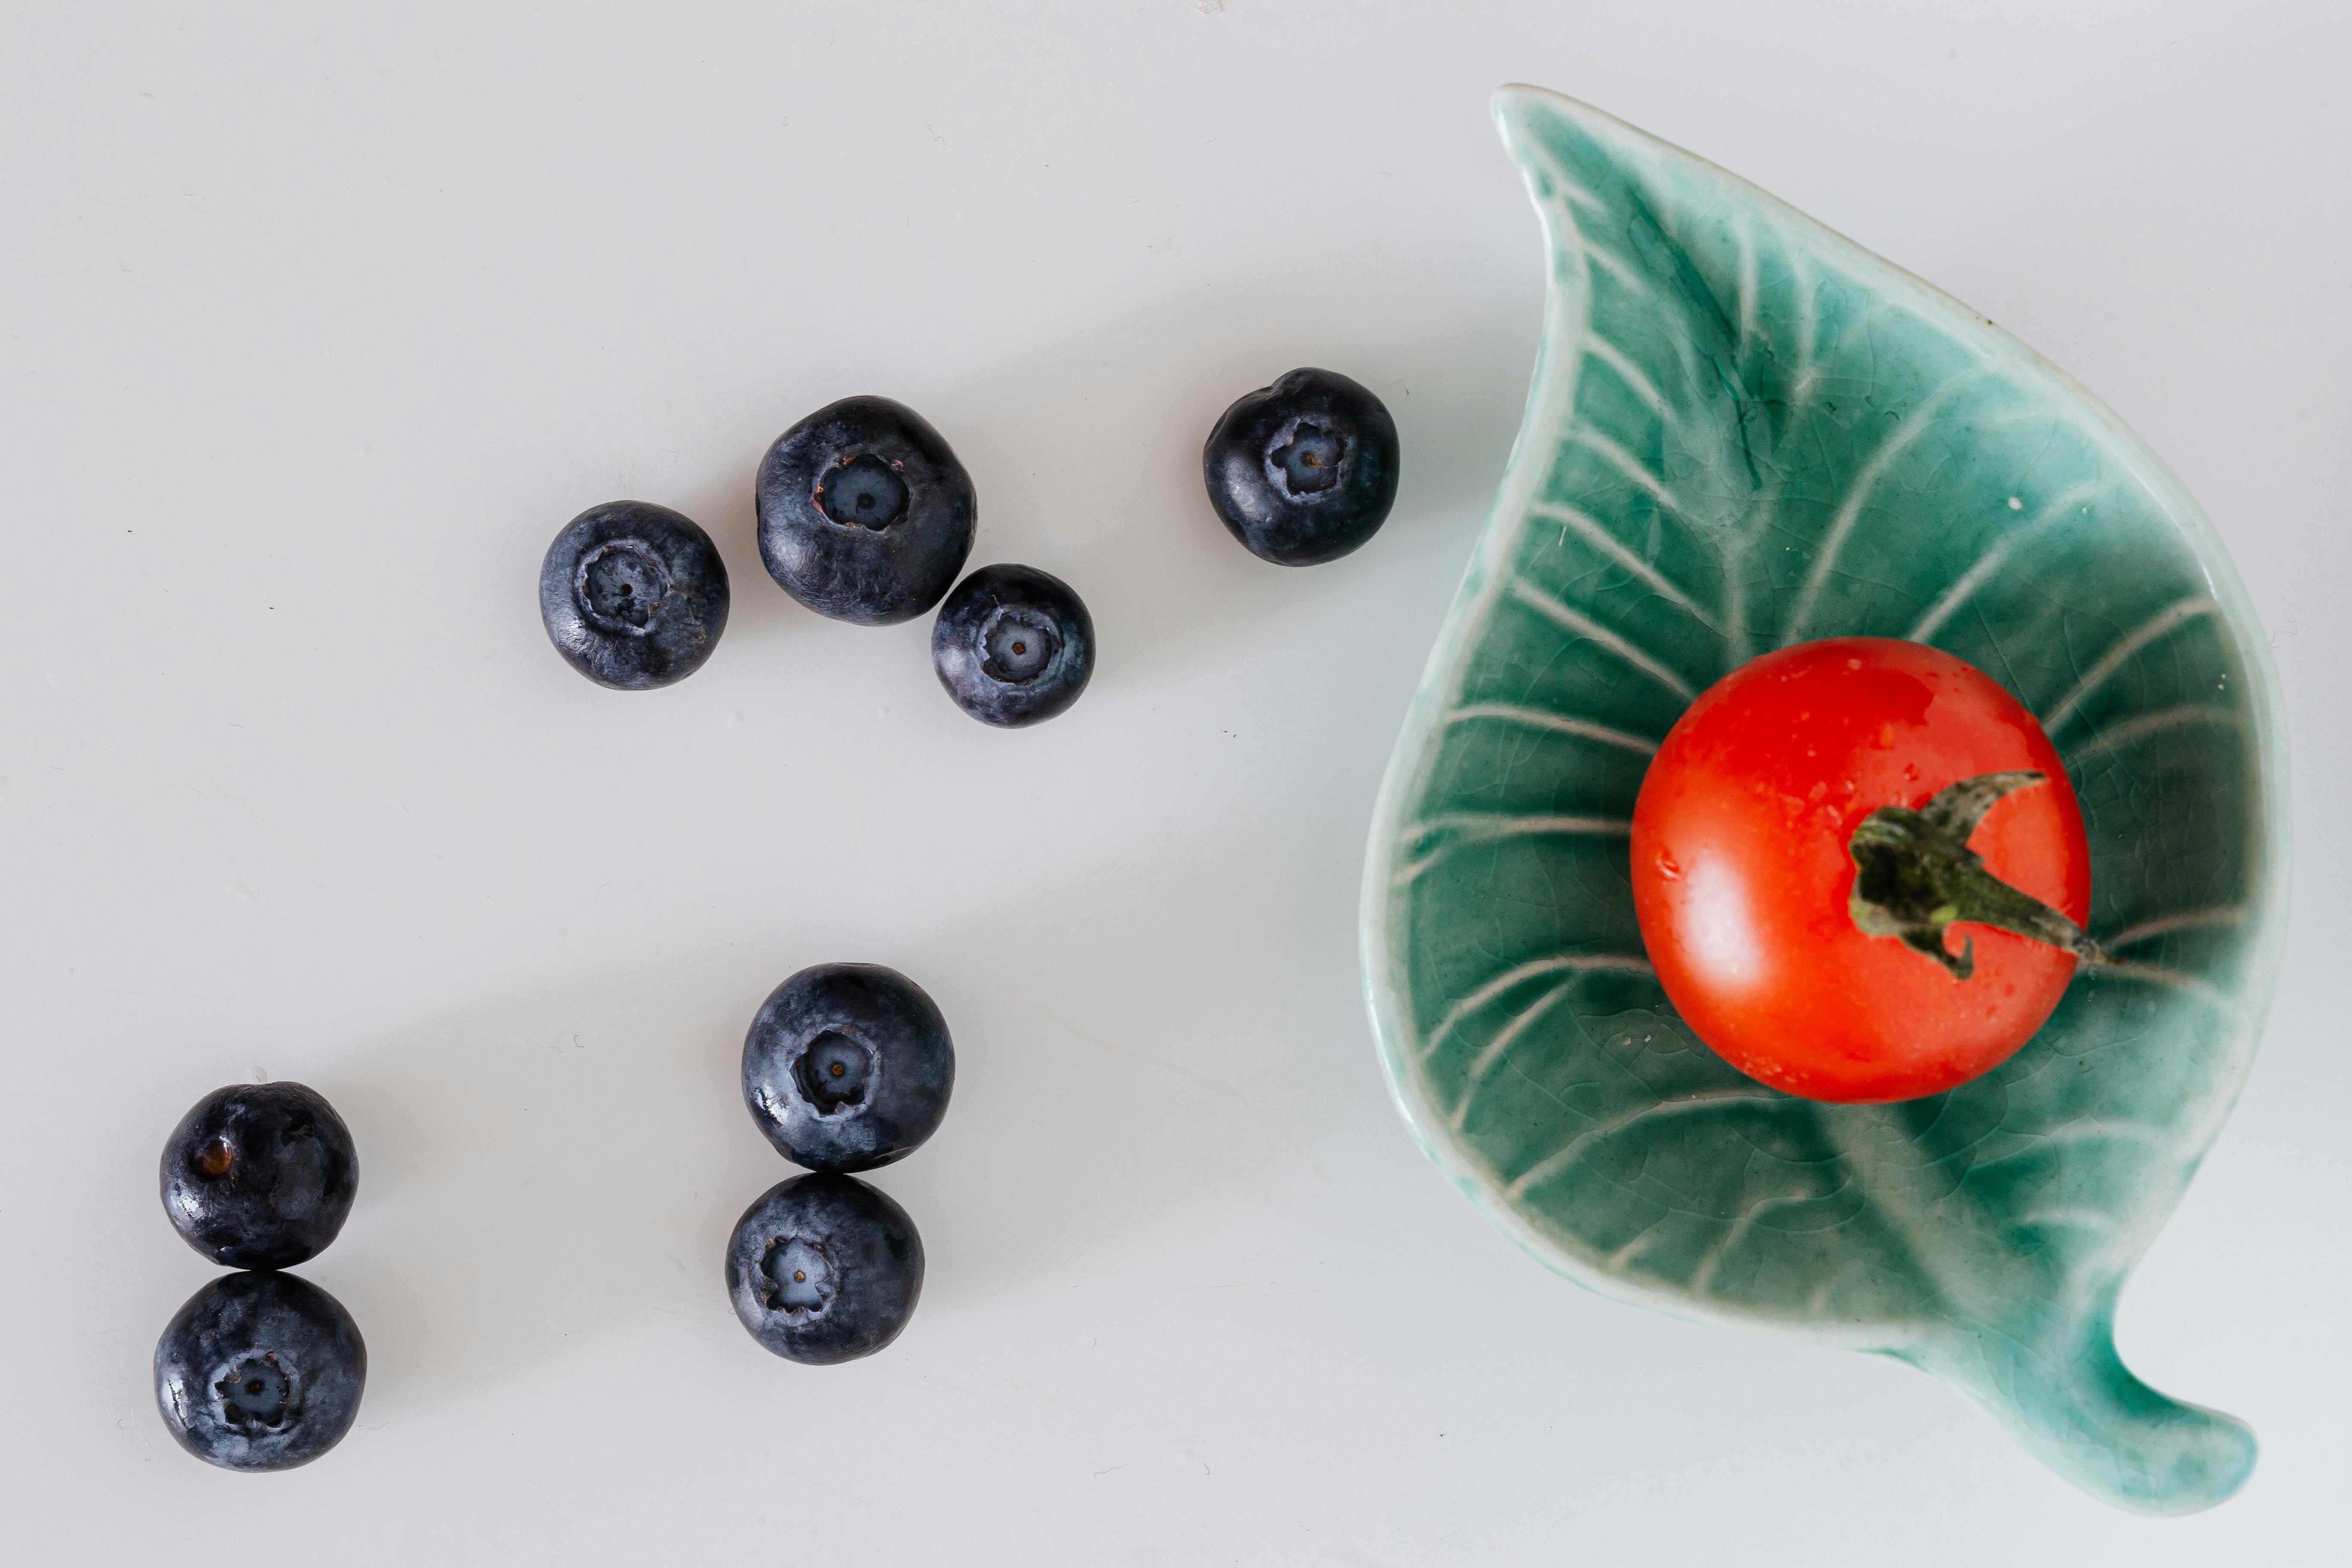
(1915, 875)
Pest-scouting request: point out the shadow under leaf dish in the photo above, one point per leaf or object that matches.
(1746, 432)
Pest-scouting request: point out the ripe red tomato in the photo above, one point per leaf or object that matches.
(1742, 874)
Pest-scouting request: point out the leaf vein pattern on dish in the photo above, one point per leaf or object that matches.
(1472, 828)
(2116, 737)
(1572, 521)
(1536, 719)
(1989, 564)
(1626, 962)
(1585, 626)
(1857, 496)
(1781, 436)
(2126, 646)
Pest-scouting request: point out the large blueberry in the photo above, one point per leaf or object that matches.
(1305, 470)
(259, 1175)
(847, 1067)
(1013, 645)
(260, 1371)
(633, 596)
(865, 514)
(825, 1268)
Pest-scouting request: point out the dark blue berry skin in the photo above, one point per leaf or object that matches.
(633, 596)
(259, 1175)
(825, 1268)
(847, 1067)
(260, 1371)
(1013, 645)
(1305, 470)
(865, 514)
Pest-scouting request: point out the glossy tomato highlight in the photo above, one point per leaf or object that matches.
(1743, 878)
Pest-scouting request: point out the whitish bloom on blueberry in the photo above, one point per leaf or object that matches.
(1305, 470)
(633, 596)
(865, 514)
(1013, 645)
(259, 1175)
(825, 1268)
(260, 1371)
(847, 1067)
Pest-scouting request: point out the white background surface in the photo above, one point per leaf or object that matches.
(316, 323)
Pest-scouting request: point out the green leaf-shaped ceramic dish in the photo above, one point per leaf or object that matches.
(1747, 431)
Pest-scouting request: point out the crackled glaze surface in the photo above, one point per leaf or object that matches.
(1746, 431)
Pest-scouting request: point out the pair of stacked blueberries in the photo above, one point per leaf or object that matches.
(866, 515)
(261, 1369)
(847, 1067)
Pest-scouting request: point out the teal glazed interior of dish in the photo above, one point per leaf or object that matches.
(1746, 431)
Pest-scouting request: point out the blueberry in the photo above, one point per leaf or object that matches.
(825, 1268)
(1013, 645)
(847, 1067)
(865, 514)
(259, 1175)
(633, 596)
(1305, 470)
(260, 1371)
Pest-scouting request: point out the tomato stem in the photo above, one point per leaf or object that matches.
(1915, 875)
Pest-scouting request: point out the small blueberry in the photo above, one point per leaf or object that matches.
(633, 596)
(1013, 645)
(825, 1268)
(847, 1067)
(259, 1175)
(864, 513)
(260, 1371)
(1305, 470)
